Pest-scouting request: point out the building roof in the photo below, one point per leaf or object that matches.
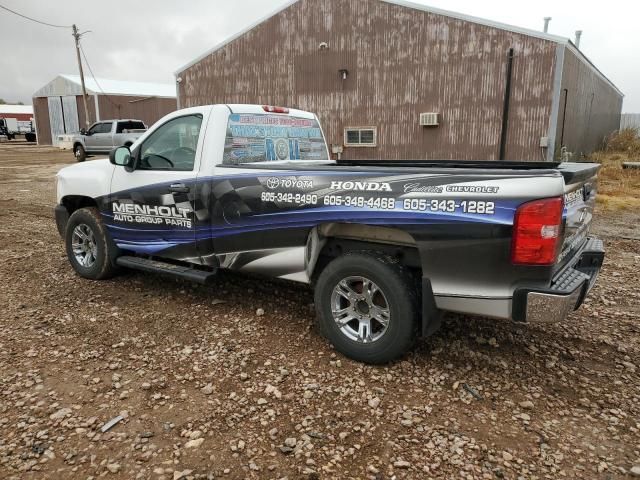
(70, 85)
(16, 109)
(425, 8)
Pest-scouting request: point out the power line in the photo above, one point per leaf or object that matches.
(33, 19)
(84, 55)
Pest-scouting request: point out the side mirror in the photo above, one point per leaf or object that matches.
(83, 131)
(121, 157)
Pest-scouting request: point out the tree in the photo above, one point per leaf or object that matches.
(4, 102)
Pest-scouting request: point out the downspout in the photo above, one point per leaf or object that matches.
(564, 116)
(586, 137)
(552, 144)
(97, 104)
(507, 105)
(178, 82)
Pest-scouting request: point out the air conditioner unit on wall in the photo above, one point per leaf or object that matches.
(429, 119)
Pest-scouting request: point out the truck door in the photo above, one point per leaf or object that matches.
(92, 136)
(151, 209)
(104, 137)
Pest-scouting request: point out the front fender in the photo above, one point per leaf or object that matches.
(90, 179)
(79, 140)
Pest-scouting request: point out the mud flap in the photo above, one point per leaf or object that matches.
(431, 315)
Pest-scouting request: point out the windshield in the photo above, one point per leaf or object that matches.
(255, 138)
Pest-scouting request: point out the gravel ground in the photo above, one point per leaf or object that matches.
(233, 381)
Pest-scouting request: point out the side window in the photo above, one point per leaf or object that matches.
(361, 137)
(173, 146)
(101, 128)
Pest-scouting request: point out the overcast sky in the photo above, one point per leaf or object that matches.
(148, 40)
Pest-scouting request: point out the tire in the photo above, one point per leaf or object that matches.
(80, 153)
(394, 288)
(90, 250)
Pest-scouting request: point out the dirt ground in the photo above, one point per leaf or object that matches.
(207, 388)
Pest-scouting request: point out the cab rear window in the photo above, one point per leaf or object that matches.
(257, 138)
(124, 127)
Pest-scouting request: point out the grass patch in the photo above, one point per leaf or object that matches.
(618, 188)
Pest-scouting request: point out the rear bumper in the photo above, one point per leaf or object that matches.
(567, 291)
(62, 217)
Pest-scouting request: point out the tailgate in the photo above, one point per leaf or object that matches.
(581, 186)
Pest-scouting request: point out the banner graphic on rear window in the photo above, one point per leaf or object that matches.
(272, 138)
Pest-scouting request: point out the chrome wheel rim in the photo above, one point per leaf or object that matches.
(83, 243)
(360, 309)
(78, 152)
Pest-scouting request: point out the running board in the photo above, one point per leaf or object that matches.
(162, 268)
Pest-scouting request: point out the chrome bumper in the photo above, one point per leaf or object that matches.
(567, 291)
(549, 308)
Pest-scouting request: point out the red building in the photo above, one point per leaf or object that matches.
(22, 113)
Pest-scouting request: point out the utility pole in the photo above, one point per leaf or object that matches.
(77, 36)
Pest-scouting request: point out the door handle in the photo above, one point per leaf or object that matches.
(179, 188)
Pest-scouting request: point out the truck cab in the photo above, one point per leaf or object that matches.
(104, 136)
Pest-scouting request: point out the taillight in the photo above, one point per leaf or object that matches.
(537, 229)
(272, 109)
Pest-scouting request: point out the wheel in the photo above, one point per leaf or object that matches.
(366, 307)
(91, 251)
(80, 153)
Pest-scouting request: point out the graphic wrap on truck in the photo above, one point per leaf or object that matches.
(151, 222)
(234, 219)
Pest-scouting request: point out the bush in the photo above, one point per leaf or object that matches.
(624, 141)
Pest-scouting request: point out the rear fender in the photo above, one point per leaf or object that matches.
(340, 237)
(331, 240)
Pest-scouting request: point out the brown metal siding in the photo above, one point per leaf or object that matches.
(91, 106)
(41, 115)
(401, 62)
(149, 110)
(593, 107)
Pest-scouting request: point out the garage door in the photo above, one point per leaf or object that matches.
(70, 111)
(56, 118)
(63, 117)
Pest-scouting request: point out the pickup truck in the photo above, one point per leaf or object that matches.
(102, 137)
(387, 245)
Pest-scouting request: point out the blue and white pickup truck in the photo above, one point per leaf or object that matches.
(387, 245)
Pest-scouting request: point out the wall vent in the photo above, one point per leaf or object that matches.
(429, 119)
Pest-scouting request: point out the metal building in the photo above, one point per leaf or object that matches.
(397, 80)
(630, 120)
(59, 107)
(22, 113)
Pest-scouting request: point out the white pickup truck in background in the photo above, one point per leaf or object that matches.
(102, 137)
